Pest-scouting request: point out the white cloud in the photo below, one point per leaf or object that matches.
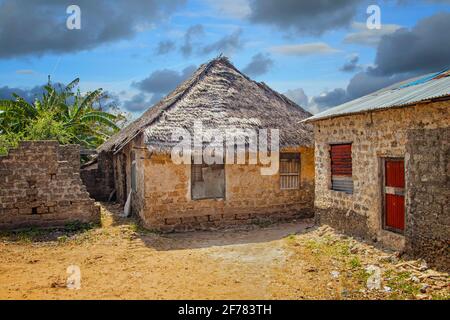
(298, 96)
(368, 37)
(304, 49)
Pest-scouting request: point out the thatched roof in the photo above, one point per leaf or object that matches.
(221, 97)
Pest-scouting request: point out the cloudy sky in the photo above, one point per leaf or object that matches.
(320, 52)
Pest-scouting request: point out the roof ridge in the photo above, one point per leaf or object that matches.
(262, 85)
(282, 97)
(194, 82)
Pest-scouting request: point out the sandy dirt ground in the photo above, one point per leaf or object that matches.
(119, 260)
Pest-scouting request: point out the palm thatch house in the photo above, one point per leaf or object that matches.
(171, 196)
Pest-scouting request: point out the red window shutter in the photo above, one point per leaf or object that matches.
(341, 168)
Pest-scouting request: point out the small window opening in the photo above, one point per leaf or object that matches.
(207, 181)
(289, 171)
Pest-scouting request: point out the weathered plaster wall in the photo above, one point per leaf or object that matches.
(249, 196)
(373, 136)
(40, 186)
(428, 224)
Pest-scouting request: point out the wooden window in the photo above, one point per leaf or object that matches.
(341, 168)
(207, 181)
(289, 171)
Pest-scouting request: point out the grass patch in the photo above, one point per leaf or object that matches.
(401, 284)
(134, 227)
(77, 226)
(314, 246)
(362, 275)
(62, 239)
(262, 223)
(329, 246)
(342, 248)
(441, 296)
(355, 263)
(24, 235)
(59, 234)
(138, 229)
(291, 237)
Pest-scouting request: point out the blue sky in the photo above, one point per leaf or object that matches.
(241, 29)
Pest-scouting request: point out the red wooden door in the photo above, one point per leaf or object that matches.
(394, 190)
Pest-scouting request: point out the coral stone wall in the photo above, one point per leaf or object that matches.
(428, 224)
(165, 202)
(40, 186)
(373, 136)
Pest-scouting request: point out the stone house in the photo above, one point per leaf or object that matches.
(383, 170)
(170, 196)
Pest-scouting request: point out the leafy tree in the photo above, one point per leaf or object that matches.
(59, 114)
(8, 141)
(46, 127)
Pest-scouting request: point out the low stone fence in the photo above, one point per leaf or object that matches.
(222, 221)
(40, 186)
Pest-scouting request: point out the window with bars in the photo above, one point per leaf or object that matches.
(341, 168)
(289, 171)
(207, 181)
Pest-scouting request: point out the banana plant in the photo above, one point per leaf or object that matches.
(78, 113)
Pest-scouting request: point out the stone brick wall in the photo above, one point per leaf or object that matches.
(99, 177)
(373, 136)
(164, 202)
(428, 223)
(40, 186)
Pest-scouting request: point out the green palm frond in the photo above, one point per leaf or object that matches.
(92, 117)
(72, 85)
(19, 106)
(91, 98)
(103, 114)
(7, 105)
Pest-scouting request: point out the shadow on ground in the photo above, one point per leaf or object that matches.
(206, 239)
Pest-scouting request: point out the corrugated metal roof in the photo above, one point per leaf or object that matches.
(405, 93)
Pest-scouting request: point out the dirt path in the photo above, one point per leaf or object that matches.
(121, 261)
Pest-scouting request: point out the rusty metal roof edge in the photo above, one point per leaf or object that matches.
(406, 105)
(404, 93)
